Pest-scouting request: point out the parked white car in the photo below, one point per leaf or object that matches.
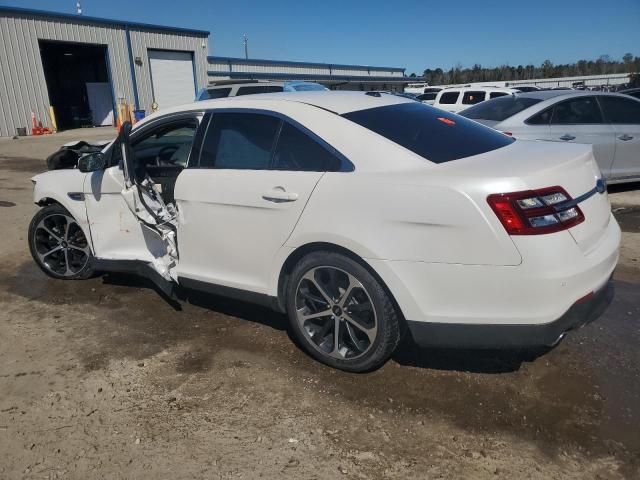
(358, 215)
(608, 121)
(458, 98)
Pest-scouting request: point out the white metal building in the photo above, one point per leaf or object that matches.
(604, 80)
(83, 65)
(334, 76)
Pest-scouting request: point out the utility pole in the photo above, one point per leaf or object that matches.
(246, 47)
(79, 7)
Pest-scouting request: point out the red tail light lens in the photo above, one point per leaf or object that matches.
(535, 212)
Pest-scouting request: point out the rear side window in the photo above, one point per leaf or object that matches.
(239, 141)
(497, 94)
(297, 151)
(430, 132)
(471, 97)
(449, 98)
(500, 109)
(258, 89)
(427, 96)
(215, 93)
(542, 118)
(620, 110)
(581, 110)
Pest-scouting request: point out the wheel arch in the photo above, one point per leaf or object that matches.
(303, 250)
(75, 207)
(46, 201)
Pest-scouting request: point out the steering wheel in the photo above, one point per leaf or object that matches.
(163, 151)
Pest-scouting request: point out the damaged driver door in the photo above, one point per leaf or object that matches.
(130, 205)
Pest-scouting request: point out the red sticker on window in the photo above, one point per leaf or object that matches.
(448, 121)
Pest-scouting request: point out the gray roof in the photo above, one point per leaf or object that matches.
(98, 20)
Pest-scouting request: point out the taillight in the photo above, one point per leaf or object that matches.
(534, 212)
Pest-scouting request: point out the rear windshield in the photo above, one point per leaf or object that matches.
(433, 134)
(499, 109)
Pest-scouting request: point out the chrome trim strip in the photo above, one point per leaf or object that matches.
(572, 203)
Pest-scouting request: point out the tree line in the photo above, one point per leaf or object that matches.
(477, 73)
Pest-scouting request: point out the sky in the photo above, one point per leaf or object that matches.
(410, 34)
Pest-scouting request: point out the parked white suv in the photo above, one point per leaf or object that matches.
(236, 88)
(458, 98)
(358, 215)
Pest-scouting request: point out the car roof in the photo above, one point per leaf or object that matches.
(231, 83)
(482, 88)
(339, 102)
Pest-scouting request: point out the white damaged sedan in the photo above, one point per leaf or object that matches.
(360, 216)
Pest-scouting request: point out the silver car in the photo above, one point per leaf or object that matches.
(608, 121)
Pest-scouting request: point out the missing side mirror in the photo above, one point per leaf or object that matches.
(91, 162)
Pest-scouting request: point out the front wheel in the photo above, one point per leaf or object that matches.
(340, 313)
(58, 245)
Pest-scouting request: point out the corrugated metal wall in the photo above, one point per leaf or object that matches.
(23, 87)
(22, 83)
(299, 68)
(143, 40)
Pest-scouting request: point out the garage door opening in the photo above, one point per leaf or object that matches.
(172, 77)
(78, 83)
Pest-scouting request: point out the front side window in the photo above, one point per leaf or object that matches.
(430, 132)
(497, 94)
(239, 141)
(581, 110)
(166, 145)
(471, 97)
(620, 110)
(449, 98)
(258, 89)
(297, 151)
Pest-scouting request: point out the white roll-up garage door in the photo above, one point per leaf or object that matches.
(172, 77)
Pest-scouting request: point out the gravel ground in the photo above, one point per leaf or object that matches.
(103, 379)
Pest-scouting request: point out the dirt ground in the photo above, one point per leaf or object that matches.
(104, 379)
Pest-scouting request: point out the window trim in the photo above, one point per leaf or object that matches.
(345, 164)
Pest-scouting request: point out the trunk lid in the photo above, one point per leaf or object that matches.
(528, 165)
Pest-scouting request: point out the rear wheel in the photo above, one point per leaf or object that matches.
(340, 313)
(58, 244)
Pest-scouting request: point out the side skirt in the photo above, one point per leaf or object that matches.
(139, 268)
(170, 289)
(230, 292)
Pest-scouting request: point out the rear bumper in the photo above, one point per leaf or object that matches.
(432, 334)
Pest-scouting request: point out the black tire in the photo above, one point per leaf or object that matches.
(69, 265)
(315, 340)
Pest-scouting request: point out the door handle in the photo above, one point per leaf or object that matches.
(566, 137)
(625, 137)
(279, 195)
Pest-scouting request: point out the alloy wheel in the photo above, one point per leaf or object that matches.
(61, 245)
(335, 313)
